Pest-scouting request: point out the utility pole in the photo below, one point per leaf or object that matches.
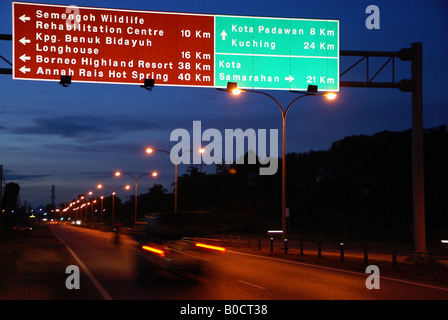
(52, 197)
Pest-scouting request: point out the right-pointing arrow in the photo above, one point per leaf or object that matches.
(25, 69)
(289, 78)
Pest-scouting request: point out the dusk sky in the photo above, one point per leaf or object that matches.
(76, 137)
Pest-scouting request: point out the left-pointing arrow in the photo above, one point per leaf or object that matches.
(24, 58)
(24, 41)
(24, 18)
(25, 70)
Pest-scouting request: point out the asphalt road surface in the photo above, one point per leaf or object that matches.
(107, 272)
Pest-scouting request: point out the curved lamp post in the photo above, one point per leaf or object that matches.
(232, 87)
(153, 174)
(151, 150)
(113, 191)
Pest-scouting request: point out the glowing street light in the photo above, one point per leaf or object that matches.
(233, 88)
(151, 150)
(113, 191)
(153, 174)
(331, 95)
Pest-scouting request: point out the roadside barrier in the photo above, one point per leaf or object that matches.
(397, 260)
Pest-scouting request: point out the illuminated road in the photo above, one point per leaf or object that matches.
(110, 275)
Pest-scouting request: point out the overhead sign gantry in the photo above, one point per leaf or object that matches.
(174, 49)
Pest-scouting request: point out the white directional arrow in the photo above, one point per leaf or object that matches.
(289, 78)
(24, 18)
(24, 58)
(223, 35)
(24, 41)
(25, 70)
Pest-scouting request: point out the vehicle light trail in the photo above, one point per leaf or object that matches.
(151, 249)
(207, 246)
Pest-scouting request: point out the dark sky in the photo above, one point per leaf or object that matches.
(76, 137)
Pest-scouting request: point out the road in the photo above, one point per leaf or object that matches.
(108, 273)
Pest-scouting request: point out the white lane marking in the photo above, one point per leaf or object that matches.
(99, 287)
(253, 285)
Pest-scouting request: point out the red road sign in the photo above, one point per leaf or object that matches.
(111, 45)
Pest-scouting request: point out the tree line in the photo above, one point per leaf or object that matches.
(358, 189)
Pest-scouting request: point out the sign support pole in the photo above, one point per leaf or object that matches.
(415, 86)
(417, 150)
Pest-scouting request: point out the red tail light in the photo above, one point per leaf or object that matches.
(207, 246)
(160, 252)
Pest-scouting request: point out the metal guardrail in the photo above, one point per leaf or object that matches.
(339, 251)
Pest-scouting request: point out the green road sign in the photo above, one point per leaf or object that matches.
(274, 53)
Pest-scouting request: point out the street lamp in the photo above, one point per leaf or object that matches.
(82, 203)
(232, 87)
(151, 150)
(113, 191)
(153, 174)
(101, 208)
(92, 199)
